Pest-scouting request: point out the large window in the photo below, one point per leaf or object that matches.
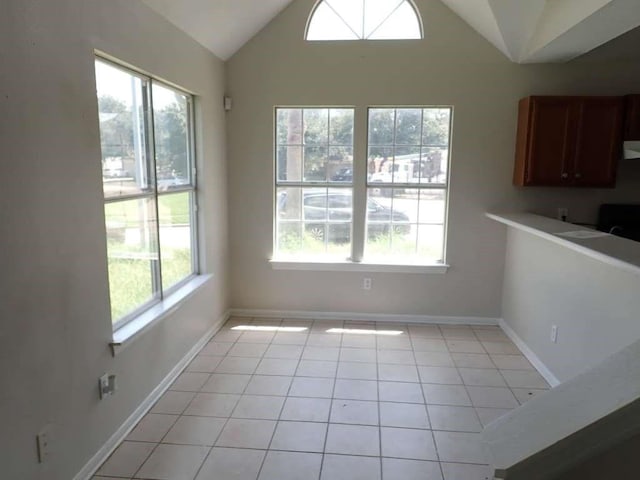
(389, 207)
(364, 20)
(146, 137)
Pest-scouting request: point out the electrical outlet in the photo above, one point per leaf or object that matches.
(43, 441)
(107, 385)
(554, 334)
(563, 214)
(366, 284)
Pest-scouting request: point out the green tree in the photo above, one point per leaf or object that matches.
(172, 140)
(116, 128)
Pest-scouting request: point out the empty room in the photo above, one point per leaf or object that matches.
(319, 239)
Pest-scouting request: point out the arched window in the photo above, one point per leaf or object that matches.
(364, 20)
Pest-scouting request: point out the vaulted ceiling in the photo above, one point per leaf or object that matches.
(526, 31)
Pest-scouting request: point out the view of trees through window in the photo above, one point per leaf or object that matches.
(146, 144)
(406, 178)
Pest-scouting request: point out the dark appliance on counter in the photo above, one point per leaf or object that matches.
(622, 220)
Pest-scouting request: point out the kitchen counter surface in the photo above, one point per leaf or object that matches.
(616, 251)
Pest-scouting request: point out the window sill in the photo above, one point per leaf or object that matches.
(346, 266)
(126, 334)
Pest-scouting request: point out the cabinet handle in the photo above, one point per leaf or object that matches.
(578, 175)
(565, 175)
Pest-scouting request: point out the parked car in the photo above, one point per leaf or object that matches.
(332, 211)
(344, 174)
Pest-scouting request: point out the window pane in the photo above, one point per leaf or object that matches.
(289, 163)
(171, 122)
(408, 126)
(436, 124)
(381, 126)
(403, 23)
(289, 126)
(176, 237)
(315, 164)
(316, 126)
(341, 128)
(132, 254)
(433, 165)
(122, 106)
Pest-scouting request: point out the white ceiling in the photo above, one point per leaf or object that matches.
(526, 31)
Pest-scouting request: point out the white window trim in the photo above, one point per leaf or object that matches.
(357, 263)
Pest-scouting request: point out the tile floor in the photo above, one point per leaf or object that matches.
(313, 405)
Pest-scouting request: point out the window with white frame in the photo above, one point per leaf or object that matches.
(148, 174)
(364, 20)
(403, 194)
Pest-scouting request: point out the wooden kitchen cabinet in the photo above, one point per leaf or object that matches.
(632, 118)
(568, 141)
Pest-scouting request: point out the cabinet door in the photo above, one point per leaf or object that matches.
(551, 140)
(598, 142)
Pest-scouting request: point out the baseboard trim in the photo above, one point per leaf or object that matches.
(366, 317)
(107, 449)
(531, 356)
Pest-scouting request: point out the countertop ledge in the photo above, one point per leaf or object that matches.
(616, 251)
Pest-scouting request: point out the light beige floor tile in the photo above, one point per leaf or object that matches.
(357, 370)
(268, 385)
(238, 365)
(189, 382)
(356, 389)
(398, 357)
(511, 362)
(455, 419)
(324, 340)
(458, 333)
(173, 462)
(428, 331)
(343, 467)
(441, 375)
(248, 350)
(472, 360)
(290, 338)
(400, 342)
(231, 464)
(126, 459)
(455, 395)
(243, 433)
(353, 440)
(367, 355)
(408, 443)
(291, 466)
(492, 397)
(398, 373)
(152, 427)
(409, 415)
(190, 430)
(400, 392)
(460, 447)
(525, 379)
(465, 346)
(173, 402)
(397, 469)
(226, 383)
(488, 415)
(256, 337)
(358, 341)
(491, 335)
(458, 471)
(525, 394)
(429, 345)
(482, 377)
(312, 387)
(215, 348)
(354, 411)
(321, 353)
(505, 348)
(316, 368)
(276, 366)
(284, 351)
(299, 436)
(258, 407)
(204, 364)
(212, 405)
(434, 359)
(227, 336)
(306, 409)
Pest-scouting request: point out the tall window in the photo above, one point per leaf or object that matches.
(407, 162)
(146, 137)
(364, 20)
(314, 175)
(402, 185)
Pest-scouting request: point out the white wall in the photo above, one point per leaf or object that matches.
(453, 65)
(594, 305)
(54, 303)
